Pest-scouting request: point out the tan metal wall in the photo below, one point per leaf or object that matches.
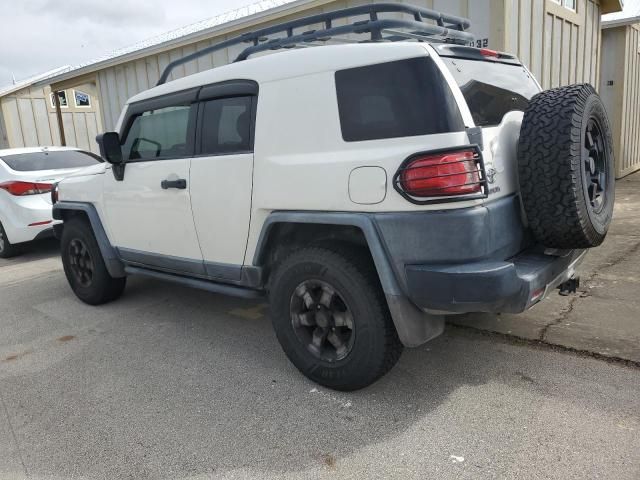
(560, 46)
(30, 120)
(4, 139)
(620, 90)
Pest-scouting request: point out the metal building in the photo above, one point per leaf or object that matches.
(559, 40)
(620, 84)
(28, 114)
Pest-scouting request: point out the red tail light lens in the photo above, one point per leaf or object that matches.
(442, 174)
(25, 188)
(485, 52)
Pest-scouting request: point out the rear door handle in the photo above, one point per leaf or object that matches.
(181, 184)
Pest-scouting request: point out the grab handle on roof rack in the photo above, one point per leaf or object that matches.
(447, 28)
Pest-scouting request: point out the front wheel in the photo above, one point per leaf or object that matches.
(84, 267)
(331, 318)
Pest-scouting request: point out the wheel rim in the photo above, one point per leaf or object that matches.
(595, 160)
(1, 241)
(80, 262)
(322, 321)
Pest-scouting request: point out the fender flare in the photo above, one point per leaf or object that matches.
(109, 254)
(414, 326)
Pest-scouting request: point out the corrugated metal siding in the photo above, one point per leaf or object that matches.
(558, 45)
(629, 160)
(117, 84)
(30, 121)
(4, 139)
(620, 91)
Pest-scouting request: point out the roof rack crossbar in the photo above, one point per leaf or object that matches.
(447, 28)
(419, 30)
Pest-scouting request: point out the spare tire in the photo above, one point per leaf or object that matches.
(566, 167)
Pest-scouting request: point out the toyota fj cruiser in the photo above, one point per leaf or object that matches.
(368, 188)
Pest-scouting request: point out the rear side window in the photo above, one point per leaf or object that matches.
(54, 160)
(395, 99)
(492, 89)
(158, 133)
(226, 126)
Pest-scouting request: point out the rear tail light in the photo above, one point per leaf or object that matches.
(25, 188)
(485, 52)
(456, 174)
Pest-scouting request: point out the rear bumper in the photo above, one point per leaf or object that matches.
(511, 286)
(26, 218)
(479, 259)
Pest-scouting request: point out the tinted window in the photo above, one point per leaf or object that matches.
(395, 99)
(31, 162)
(226, 126)
(492, 89)
(158, 133)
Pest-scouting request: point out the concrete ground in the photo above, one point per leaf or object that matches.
(172, 383)
(604, 317)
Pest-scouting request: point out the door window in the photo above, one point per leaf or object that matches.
(226, 126)
(161, 133)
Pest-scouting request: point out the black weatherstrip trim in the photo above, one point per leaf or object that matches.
(197, 283)
(164, 262)
(183, 97)
(230, 88)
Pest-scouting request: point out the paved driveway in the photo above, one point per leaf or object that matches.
(176, 383)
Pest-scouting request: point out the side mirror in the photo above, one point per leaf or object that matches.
(111, 151)
(110, 148)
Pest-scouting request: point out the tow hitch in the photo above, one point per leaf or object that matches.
(569, 287)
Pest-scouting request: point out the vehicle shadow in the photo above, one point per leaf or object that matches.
(197, 382)
(30, 251)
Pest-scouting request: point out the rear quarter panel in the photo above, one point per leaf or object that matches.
(302, 163)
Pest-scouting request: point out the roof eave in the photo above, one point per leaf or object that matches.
(621, 22)
(611, 6)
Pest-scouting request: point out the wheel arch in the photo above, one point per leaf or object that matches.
(285, 230)
(66, 210)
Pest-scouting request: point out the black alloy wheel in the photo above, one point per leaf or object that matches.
(322, 321)
(595, 157)
(80, 262)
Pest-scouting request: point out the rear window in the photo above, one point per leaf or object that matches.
(492, 89)
(53, 160)
(396, 99)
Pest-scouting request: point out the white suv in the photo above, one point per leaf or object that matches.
(367, 189)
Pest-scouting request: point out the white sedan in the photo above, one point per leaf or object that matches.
(27, 176)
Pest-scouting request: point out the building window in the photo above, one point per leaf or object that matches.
(83, 100)
(63, 100)
(570, 4)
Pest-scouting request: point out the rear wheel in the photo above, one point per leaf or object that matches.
(331, 318)
(7, 250)
(84, 267)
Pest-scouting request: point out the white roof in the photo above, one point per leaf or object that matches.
(630, 14)
(293, 63)
(27, 82)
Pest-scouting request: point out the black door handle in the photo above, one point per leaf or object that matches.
(181, 184)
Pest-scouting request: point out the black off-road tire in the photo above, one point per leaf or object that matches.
(375, 348)
(556, 165)
(99, 287)
(7, 249)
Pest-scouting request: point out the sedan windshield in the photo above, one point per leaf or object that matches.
(50, 160)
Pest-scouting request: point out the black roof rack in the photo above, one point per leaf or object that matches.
(447, 28)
